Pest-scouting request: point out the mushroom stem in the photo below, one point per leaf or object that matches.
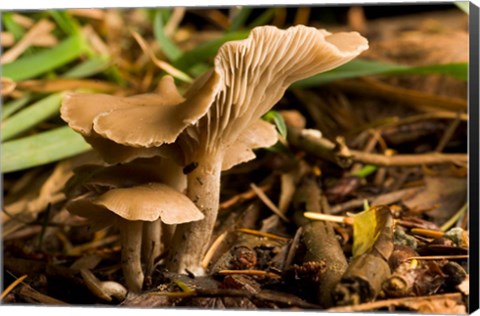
(131, 241)
(191, 240)
(167, 234)
(151, 244)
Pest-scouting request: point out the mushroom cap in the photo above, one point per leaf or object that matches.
(147, 202)
(80, 109)
(259, 134)
(114, 153)
(255, 73)
(99, 179)
(143, 121)
(153, 126)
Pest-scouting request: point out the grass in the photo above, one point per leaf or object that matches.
(75, 57)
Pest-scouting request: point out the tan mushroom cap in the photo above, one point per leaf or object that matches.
(80, 109)
(259, 134)
(144, 121)
(96, 178)
(113, 153)
(152, 126)
(256, 72)
(147, 202)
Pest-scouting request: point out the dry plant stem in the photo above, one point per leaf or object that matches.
(409, 160)
(191, 240)
(324, 148)
(394, 302)
(131, 241)
(27, 291)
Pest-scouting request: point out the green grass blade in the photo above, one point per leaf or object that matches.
(205, 51)
(66, 23)
(12, 26)
(276, 118)
(43, 148)
(263, 18)
(365, 171)
(167, 46)
(31, 116)
(89, 67)
(240, 19)
(360, 68)
(456, 70)
(13, 106)
(47, 60)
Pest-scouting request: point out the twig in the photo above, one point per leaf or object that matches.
(326, 149)
(446, 257)
(454, 218)
(386, 198)
(211, 251)
(33, 294)
(262, 234)
(247, 195)
(174, 21)
(266, 200)
(12, 286)
(393, 302)
(160, 63)
(312, 142)
(447, 135)
(250, 272)
(409, 159)
(329, 218)
(427, 232)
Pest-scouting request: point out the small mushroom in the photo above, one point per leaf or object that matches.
(130, 209)
(99, 179)
(254, 73)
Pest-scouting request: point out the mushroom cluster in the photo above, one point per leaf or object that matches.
(215, 125)
(140, 199)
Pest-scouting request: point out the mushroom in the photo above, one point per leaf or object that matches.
(83, 111)
(212, 127)
(100, 179)
(122, 129)
(254, 73)
(129, 209)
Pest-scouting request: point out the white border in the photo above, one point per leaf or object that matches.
(6, 5)
(53, 4)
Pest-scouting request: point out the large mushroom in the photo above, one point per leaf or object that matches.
(217, 123)
(122, 129)
(130, 209)
(254, 73)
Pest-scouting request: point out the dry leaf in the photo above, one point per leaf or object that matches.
(7, 86)
(442, 197)
(368, 227)
(6, 39)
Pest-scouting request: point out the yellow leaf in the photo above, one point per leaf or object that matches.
(367, 226)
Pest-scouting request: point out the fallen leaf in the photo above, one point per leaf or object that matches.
(441, 198)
